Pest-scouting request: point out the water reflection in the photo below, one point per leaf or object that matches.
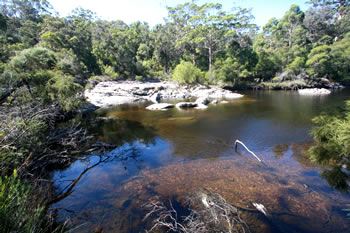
(175, 152)
(338, 178)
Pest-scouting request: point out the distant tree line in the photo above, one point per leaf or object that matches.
(224, 45)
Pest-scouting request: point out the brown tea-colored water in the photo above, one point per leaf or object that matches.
(174, 153)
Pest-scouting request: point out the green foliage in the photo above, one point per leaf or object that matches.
(63, 89)
(18, 213)
(186, 72)
(319, 61)
(332, 135)
(267, 65)
(69, 63)
(22, 138)
(231, 71)
(340, 59)
(109, 71)
(287, 85)
(36, 69)
(297, 65)
(32, 60)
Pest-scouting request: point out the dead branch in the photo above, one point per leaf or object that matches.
(209, 212)
(236, 145)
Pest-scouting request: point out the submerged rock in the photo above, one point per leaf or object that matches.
(162, 106)
(186, 105)
(224, 102)
(314, 91)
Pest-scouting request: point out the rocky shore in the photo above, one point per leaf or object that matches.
(111, 93)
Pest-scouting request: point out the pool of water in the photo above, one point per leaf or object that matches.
(174, 153)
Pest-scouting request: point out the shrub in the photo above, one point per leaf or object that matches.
(109, 71)
(186, 72)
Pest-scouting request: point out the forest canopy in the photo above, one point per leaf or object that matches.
(225, 45)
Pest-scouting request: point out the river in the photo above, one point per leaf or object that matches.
(174, 153)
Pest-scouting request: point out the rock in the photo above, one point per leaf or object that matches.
(214, 102)
(232, 95)
(110, 93)
(201, 106)
(314, 91)
(202, 100)
(283, 76)
(224, 102)
(324, 81)
(155, 98)
(162, 106)
(186, 105)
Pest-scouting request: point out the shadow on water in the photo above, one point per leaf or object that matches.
(173, 153)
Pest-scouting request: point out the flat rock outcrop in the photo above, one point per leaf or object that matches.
(110, 93)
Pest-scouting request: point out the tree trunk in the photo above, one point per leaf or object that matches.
(210, 59)
(4, 97)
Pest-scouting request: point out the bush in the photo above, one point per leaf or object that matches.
(109, 71)
(230, 71)
(186, 72)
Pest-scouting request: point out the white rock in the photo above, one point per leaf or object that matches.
(162, 106)
(202, 101)
(231, 95)
(214, 102)
(155, 98)
(201, 106)
(314, 91)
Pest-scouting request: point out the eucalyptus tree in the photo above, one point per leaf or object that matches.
(20, 21)
(320, 22)
(80, 37)
(166, 54)
(207, 29)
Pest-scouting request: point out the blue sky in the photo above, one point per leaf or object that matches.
(153, 11)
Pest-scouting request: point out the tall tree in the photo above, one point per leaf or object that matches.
(207, 28)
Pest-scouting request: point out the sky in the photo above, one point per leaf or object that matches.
(154, 11)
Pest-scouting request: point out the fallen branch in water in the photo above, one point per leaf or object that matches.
(208, 212)
(237, 141)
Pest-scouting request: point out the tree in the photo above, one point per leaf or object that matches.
(165, 51)
(80, 38)
(340, 54)
(319, 61)
(206, 29)
(289, 24)
(33, 69)
(320, 22)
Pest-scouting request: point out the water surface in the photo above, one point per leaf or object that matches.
(174, 153)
